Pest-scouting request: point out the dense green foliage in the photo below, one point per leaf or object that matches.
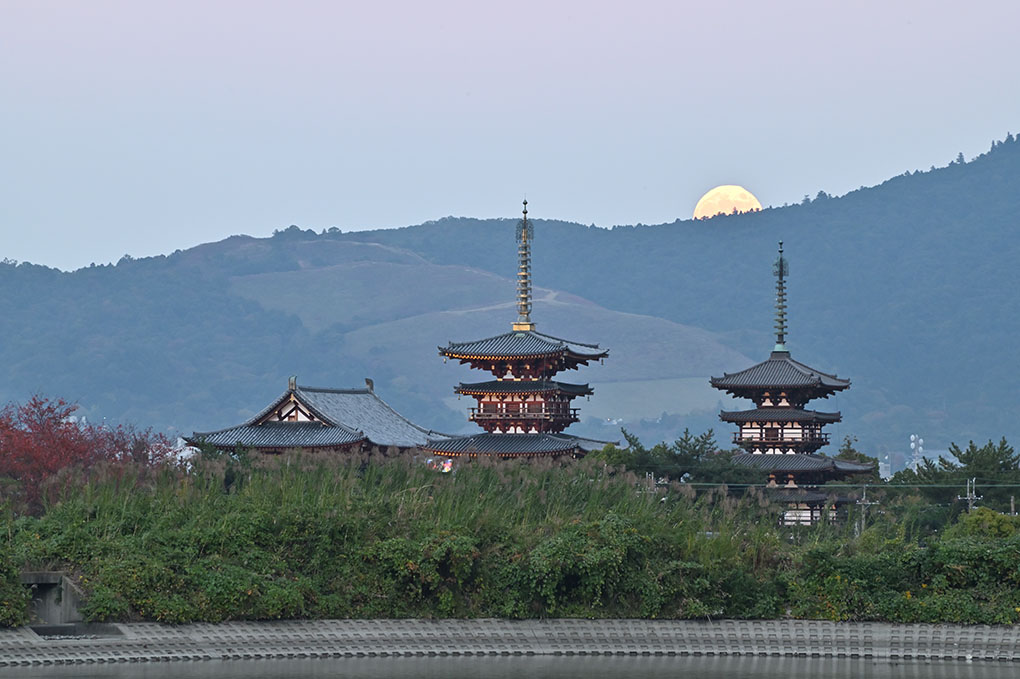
(14, 596)
(318, 537)
(691, 458)
(994, 467)
(391, 538)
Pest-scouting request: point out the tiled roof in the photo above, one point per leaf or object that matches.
(799, 462)
(514, 444)
(363, 410)
(282, 435)
(347, 416)
(852, 467)
(522, 343)
(778, 415)
(522, 387)
(780, 371)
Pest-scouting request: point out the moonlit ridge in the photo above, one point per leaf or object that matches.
(724, 200)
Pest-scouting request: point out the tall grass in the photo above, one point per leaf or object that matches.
(315, 536)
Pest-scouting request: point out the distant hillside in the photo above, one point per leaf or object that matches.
(907, 288)
(204, 338)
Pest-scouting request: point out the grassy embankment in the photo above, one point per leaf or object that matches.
(314, 538)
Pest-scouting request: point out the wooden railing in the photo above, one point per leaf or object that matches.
(766, 436)
(523, 414)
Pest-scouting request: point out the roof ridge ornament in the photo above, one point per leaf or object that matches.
(525, 234)
(781, 269)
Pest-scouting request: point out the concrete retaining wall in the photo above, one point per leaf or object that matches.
(55, 598)
(151, 642)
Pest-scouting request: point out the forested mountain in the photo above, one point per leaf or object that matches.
(908, 288)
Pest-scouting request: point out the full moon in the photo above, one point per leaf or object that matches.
(724, 200)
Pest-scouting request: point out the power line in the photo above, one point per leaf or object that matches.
(864, 504)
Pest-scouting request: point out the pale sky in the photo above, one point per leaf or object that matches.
(142, 127)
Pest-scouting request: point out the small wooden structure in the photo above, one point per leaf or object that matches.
(314, 418)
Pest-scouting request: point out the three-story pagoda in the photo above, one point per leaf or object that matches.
(523, 410)
(780, 435)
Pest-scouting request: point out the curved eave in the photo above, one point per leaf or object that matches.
(560, 354)
(191, 441)
(497, 359)
(763, 415)
(724, 383)
(559, 453)
(803, 463)
(490, 389)
(522, 344)
(852, 467)
(514, 445)
(779, 371)
(280, 435)
(819, 385)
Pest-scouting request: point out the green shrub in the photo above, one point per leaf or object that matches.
(318, 537)
(984, 523)
(14, 597)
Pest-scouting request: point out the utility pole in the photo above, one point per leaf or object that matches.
(971, 497)
(864, 504)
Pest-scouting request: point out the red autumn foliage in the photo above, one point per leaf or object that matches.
(39, 438)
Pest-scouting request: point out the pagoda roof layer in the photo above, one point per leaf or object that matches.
(345, 416)
(282, 435)
(799, 462)
(522, 387)
(778, 415)
(522, 343)
(778, 371)
(506, 445)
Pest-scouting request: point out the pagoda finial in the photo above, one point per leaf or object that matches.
(525, 234)
(781, 271)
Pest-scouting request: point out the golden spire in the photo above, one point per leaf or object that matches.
(525, 234)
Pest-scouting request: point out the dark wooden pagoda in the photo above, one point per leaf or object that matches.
(523, 410)
(780, 435)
